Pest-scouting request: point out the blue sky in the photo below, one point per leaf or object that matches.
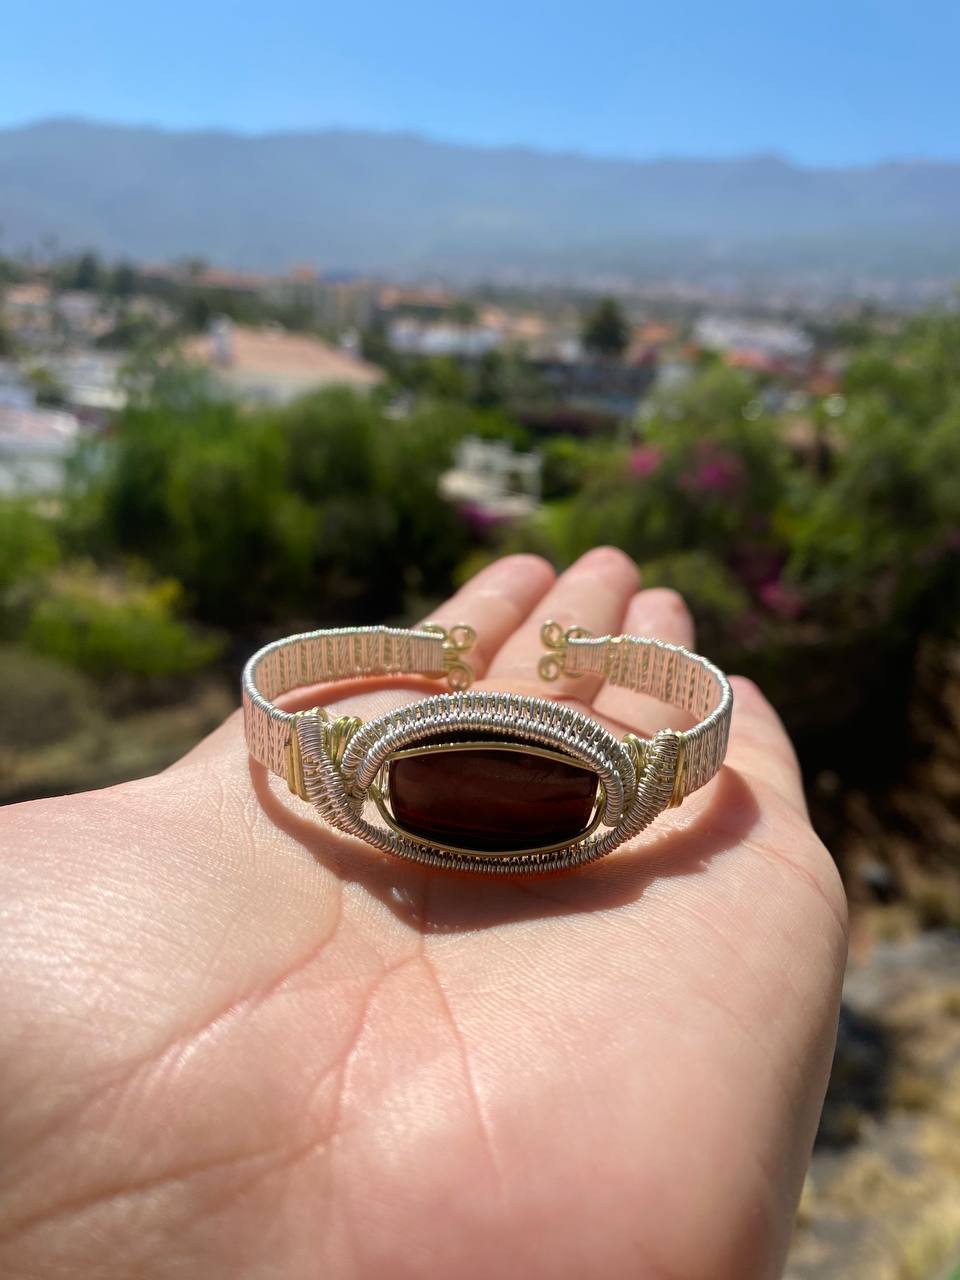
(820, 81)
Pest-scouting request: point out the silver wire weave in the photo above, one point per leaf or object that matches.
(315, 657)
(672, 674)
(674, 763)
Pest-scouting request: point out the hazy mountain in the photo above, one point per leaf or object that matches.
(396, 202)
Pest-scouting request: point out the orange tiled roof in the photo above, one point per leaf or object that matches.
(217, 278)
(303, 273)
(276, 352)
(523, 324)
(652, 334)
(758, 361)
(394, 296)
(32, 294)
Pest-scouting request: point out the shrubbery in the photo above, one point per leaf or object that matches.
(325, 511)
(867, 536)
(815, 548)
(106, 627)
(835, 532)
(28, 545)
(41, 701)
(883, 527)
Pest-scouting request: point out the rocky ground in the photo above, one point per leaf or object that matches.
(98, 750)
(882, 1198)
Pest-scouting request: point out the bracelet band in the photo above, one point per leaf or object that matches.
(406, 762)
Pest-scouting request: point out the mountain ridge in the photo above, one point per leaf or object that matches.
(521, 148)
(407, 203)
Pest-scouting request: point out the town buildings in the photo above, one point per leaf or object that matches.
(35, 443)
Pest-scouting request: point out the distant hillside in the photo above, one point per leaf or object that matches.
(399, 203)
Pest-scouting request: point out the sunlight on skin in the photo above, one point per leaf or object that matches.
(234, 1043)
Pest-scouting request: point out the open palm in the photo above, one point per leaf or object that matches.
(234, 1043)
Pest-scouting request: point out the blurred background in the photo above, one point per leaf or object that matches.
(305, 315)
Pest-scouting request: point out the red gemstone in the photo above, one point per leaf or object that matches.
(491, 799)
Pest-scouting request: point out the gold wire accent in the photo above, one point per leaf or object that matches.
(639, 749)
(339, 735)
(680, 773)
(295, 776)
(377, 794)
(555, 639)
(489, 744)
(457, 640)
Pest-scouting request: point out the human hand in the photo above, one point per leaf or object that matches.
(234, 1043)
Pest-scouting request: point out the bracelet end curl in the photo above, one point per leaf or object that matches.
(457, 640)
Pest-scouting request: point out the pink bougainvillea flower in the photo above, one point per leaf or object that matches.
(479, 519)
(714, 471)
(782, 598)
(645, 460)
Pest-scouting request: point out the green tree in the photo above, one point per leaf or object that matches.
(199, 492)
(883, 533)
(463, 313)
(326, 510)
(28, 545)
(384, 530)
(490, 380)
(197, 311)
(47, 387)
(85, 273)
(374, 345)
(130, 332)
(122, 280)
(443, 378)
(606, 331)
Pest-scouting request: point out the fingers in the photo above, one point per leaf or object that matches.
(495, 602)
(759, 745)
(594, 594)
(663, 615)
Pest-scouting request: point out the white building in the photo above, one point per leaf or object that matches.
(410, 337)
(490, 477)
(15, 391)
(765, 337)
(34, 447)
(90, 379)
